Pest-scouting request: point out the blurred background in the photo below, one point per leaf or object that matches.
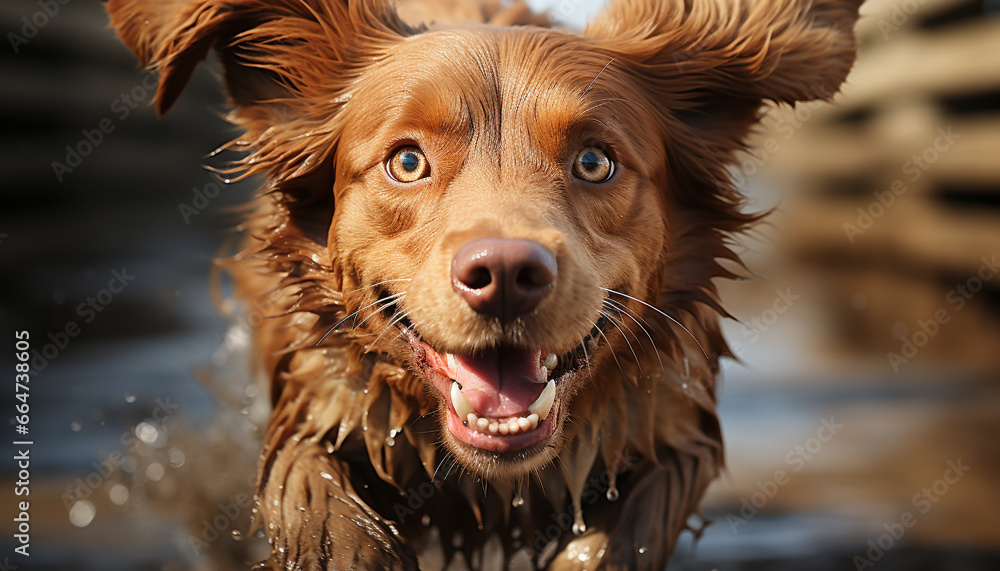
(862, 422)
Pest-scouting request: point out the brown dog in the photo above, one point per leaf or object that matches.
(490, 247)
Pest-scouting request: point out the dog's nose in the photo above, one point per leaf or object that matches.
(503, 277)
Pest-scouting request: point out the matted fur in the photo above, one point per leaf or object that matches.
(353, 471)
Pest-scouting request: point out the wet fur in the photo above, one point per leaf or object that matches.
(355, 437)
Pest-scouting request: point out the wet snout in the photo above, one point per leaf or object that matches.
(503, 277)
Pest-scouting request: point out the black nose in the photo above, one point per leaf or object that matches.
(503, 277)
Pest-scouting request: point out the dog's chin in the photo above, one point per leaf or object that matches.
(514, 461)
(502, 409)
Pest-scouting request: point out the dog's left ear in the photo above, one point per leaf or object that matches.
(271, 50)
(697, 51)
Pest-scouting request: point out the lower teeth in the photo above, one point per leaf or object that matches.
(503, 426)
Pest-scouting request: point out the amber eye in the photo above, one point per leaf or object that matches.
(593, 165)
(408, 164)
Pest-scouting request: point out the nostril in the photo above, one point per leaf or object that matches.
(533, 278)
(502, 277)
(478, 278)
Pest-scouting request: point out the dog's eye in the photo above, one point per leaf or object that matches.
(408, 164)
(593, 165)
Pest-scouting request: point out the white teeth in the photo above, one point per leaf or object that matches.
(458, 400)
(538, 410)
(543, 404)
(513, 426)
(545, 372)
(551, 361)
(452, 365)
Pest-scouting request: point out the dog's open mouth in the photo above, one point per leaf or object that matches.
(505, 398)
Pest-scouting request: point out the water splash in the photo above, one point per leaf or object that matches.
(82, 513)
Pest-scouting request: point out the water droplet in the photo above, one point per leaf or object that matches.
(515, 532)
(390, 441)
(82, 513)
(642, 551)
(684, 385)
(147, 432)
(326, 476)
(155, 471)
(579, 527)
(518, 501)
(75, 426)
(176, 458)
(612, 494)
(251, 391)
(425, 520)
(118, 494)
(130, 397)
(237, 536)
(245, 410)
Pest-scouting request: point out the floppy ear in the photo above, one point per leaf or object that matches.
(782, 50)
(271, 51)
(288, 66)
(705, 67)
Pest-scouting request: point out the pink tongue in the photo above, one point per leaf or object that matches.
(501, 382)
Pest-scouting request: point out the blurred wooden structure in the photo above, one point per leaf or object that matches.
(894, 192)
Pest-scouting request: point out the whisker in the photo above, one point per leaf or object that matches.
(398, 296)
(624, 336)
(599, 74)
(401, 317)
(375, 285)
(622, 308)
(660, 311)
(610, 346)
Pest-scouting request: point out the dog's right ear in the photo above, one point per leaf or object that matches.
(270, 50)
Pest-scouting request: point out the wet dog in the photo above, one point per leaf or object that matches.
(486, 250)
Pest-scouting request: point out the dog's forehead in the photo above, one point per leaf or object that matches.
(503, 87)
(533, 73)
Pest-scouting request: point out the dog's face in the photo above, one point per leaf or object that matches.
(502, 211)
(487, 203)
